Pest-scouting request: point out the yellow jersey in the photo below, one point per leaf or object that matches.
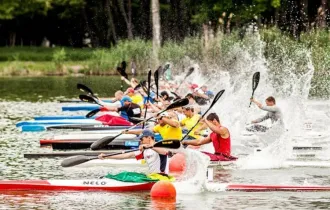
(137, 99)
(189, 122)
(168, 132)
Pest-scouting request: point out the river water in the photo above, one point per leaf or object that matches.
(24, 98)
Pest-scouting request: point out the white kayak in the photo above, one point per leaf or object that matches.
(136, 163)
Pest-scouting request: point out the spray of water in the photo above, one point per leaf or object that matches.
(283, 76)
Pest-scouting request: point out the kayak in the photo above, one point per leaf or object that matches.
(136, 163)
(74, 185)
(94, 136)
(38, 128)
(80, 101)
(85, 121)
(80, 107)
(40, 125)
(84, 144)
(62, 117)
(115, 186)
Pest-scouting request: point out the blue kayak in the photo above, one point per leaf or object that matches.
(59, 122)
(80, 107)
(63, 117)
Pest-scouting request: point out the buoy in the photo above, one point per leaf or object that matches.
(177, 163)
(163, 190)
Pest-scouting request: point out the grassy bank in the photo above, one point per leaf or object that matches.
(282, 53)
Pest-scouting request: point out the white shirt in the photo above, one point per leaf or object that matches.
(157, 163)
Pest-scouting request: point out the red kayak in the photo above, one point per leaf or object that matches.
(74, 185)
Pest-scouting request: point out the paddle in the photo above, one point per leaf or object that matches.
(122, 71)
(190, 71)
(156, 77)
(106, 140)
(148, 95)
(89, 99)
(255, 82)
(84, 88)
(216, 98)
(76, 160)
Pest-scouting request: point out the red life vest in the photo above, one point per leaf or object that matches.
(221, 145)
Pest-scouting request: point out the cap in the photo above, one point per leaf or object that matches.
(126, 98)
(193, 86)
(130, 90)
(146, 133)
(187, 107)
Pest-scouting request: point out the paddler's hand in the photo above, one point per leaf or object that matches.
(253, 100)
(142, 147)
(122, 78)
(184, 142)
(125, 132)
(101, 156)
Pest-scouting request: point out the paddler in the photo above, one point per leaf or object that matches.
(156, 158)
(189, 121)
(167, 126)
(127, 109)
(274, 113)
(135, 96)
(220, 137)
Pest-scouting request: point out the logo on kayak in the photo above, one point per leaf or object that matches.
(94, 182)
(101, 126)
(167, 142)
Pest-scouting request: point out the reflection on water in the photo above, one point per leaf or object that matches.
(54, 88)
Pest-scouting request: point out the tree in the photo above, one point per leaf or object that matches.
(156, 37)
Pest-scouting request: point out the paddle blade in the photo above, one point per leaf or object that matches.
(138, 86)
(190, 71)
(92, 113)
(255, 80)
(76, 160)
(149, 82)
(122, 70)
(84, 88)
(178, 103)
(86, 98)
(170, 144)
(217, 97)
(156, 77)
(103, 142)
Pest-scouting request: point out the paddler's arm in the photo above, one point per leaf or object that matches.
(135, 131)
(171, 122)
(111, 108)
(126, 81)
(197, 142)
(161, 151)
(256, 102)
(219, 130)
(202, 127)
(261, 119)
(118, 157)
(269, 108)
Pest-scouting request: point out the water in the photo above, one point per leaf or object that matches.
(14, 144)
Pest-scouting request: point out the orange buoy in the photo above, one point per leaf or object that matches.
(177, 163)
(163, 190)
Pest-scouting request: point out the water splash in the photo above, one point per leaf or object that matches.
(285, 74)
